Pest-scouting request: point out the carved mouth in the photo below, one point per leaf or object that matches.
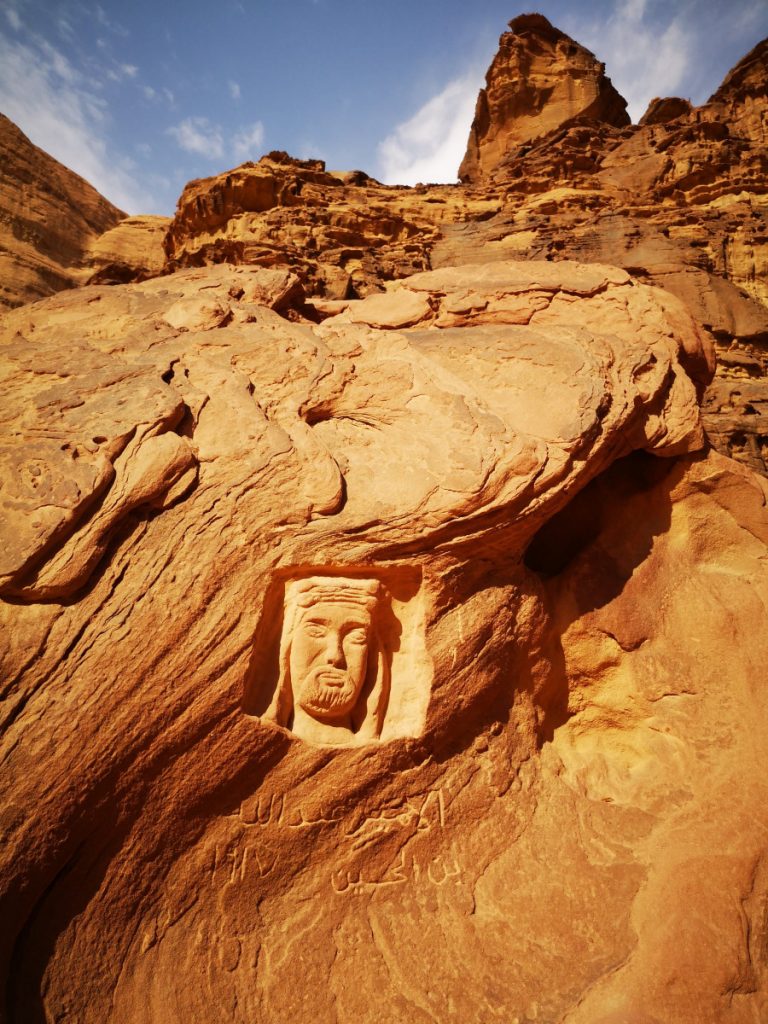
(328, 692)
(332, 677)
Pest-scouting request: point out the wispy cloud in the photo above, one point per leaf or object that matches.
(198, 135)
(13, 17)
(201, 136)
(429, 146)
(62, 111)
(247, 143)
(234, 90)
(109, 23)
(122, 71)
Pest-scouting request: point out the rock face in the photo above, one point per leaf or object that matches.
(539, 80)
(131, 251)
(343, 234)
(742, 98)
(49, 217)
(680, 201)
(359, 646)
(381, 637)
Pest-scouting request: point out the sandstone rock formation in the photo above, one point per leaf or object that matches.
(680, 201)
(381, 637)
(49, 217)
(343, 234)
(491, 479)
(131, 251)
(539, 80)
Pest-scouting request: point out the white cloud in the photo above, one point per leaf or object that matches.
(121, 71)
(108, 23)
(65, 28)
(246, 145)
(645, 56)
(309, 150)
(13, 18)
(198, 135)
(429, 147)
(62, 112)
(234, 90)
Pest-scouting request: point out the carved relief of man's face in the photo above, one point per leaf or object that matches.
(328, 660)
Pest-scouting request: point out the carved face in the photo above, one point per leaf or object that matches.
(329, 655)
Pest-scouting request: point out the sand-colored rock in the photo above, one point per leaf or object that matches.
(49, 216)
(549, 744)
(343, 234)
(742, 98)
(380, 637)
(679, 201)
(662, 110)
(131, 251)
(538, 81)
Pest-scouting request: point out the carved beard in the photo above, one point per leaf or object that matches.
(322, 699)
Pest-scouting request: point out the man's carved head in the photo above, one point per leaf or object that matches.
(333, 684)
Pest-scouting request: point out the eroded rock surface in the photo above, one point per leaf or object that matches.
(679, 201)
(539, 80)
(49, 216)
(131, 251)
(553, 170)
(475, 515)
(344, 234)
(380, 636)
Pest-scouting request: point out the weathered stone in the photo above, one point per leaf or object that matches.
(49, 217)
(453, 511)
(390, 645)
(131, 251)
(662, 111)
(538, 81)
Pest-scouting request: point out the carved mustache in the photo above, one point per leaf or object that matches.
(327, 689)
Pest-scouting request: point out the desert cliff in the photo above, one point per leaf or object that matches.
(384, 584)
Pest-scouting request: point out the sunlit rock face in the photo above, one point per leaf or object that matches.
(539, 79)
(421, 647)
(678, 201)
(49, 217)
(381, 637)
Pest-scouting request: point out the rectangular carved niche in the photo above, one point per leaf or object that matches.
(340, 658)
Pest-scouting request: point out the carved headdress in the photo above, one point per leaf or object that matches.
(367, 594)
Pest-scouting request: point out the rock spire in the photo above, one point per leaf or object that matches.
(539, 79)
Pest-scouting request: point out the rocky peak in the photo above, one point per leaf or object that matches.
(49, 218)
(742, 99)
(539, 79)
(662, 110)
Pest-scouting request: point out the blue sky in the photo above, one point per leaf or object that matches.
(141, 96)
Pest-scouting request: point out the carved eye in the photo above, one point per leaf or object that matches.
(357, 636)
(314, 629)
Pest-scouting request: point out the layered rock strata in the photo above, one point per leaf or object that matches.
(49, 217)
(483, 499)
(539, 80)
(679, 201)
(343, 234)
(131, 251)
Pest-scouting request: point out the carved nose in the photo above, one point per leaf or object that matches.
(334, 652)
